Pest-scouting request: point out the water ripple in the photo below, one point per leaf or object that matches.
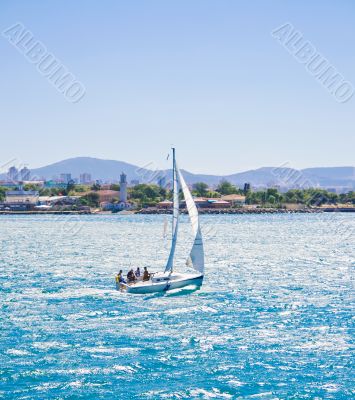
(274, 318)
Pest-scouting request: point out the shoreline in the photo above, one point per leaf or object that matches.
(46, 212)
(202, 211)
(239, 211)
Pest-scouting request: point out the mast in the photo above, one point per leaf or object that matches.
(175, 222)
(174, 184)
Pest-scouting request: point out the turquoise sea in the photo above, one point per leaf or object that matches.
(273, 320)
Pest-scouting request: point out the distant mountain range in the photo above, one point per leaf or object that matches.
(109, 170)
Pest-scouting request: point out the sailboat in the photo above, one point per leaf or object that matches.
(169, 279)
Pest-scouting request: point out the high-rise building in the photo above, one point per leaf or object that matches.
(123, 188)
(25, 174)
(161, 181)
(12, 174)
(246, 188)
(65, 177)
(85, 178)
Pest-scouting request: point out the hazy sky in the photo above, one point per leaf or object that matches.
(206, 76)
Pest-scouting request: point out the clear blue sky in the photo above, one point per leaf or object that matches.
(204, 75)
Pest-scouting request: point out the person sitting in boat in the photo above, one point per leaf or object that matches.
(146, 274)
(119, 279)
(131, 277)
(138, 272)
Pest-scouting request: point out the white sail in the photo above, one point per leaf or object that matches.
(175, 225)
(196, 254)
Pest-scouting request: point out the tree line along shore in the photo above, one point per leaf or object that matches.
(153, 199)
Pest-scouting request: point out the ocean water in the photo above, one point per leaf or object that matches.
(273, 320)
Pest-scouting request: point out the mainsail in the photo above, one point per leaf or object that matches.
(170, 263)
(196, 254)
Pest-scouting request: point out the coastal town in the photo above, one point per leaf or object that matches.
(24, 194)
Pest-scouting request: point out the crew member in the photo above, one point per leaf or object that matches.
(146, 274)
(131, 276)
(119, 279)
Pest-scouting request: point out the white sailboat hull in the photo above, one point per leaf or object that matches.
(163, 282)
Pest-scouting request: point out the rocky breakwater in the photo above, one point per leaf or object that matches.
(154, 210)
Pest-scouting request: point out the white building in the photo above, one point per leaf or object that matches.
(234, 199)
(22, 196)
